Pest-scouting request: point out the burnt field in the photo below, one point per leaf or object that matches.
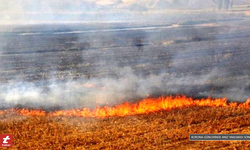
(199, 60)
(93, 65)
(177, 50)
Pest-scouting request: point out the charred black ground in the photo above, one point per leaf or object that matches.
(219, 48)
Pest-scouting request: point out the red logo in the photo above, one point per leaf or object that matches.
(6, 140)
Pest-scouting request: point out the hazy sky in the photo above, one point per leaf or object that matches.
(110, 1)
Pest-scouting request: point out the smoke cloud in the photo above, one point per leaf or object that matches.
(110, 91)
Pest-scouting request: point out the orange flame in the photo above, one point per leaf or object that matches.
(145, 106)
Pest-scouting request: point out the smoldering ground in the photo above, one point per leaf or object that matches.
(110, 91)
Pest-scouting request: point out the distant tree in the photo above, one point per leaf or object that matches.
(224, 4)
(176, 2)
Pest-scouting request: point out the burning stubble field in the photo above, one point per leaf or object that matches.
(53, 77)
(159, 130)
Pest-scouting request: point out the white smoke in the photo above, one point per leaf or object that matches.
(102, 91)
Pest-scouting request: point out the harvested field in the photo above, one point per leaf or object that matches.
(159, 130)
